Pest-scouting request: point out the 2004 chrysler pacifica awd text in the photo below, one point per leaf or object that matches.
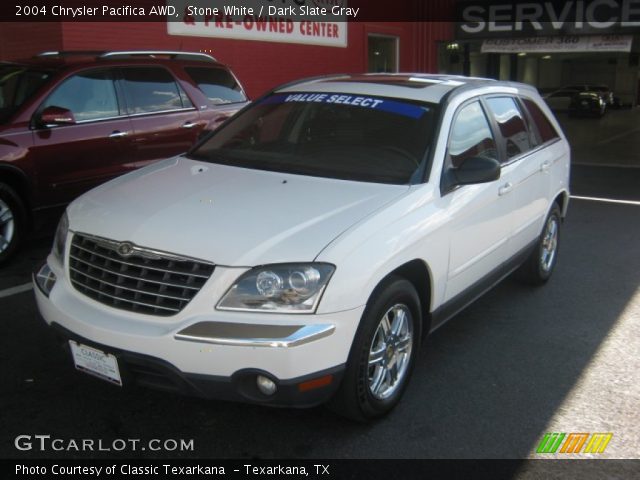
(299, 253)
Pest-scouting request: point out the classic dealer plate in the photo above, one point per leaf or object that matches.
(95, 362)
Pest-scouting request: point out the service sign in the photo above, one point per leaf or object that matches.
(310, 22)
(527, 18)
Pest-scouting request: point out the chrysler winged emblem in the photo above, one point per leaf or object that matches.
(125, 249)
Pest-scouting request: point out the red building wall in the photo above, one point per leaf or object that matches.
(24, 39)
(259, 65)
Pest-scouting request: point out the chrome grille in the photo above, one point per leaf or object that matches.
(145, 281)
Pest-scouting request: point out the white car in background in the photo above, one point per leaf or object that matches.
(299, 253)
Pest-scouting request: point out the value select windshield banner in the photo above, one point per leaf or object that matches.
(361, 101)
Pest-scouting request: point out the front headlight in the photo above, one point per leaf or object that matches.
(60, 239)
(282, 288)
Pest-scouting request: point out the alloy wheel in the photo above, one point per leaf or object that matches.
(7, 226)
(390, 352)
(549, 244)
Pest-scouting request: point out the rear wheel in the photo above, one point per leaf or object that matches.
(382, 354)
(537, 269)
(12, 221)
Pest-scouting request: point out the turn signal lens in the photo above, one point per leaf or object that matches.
(45, 279)
(315, 383)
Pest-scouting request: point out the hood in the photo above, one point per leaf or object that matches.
(227, 215)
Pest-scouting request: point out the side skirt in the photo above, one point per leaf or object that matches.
(461, 301)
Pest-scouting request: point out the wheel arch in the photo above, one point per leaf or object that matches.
(418, 273)
(16, 179)
(562, 199)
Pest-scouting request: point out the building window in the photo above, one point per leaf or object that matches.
(383, 53)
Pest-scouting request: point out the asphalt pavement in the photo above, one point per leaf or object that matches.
(517, 364)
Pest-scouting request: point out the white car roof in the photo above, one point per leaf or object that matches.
(413, 86)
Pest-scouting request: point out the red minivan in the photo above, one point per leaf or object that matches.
(72, 120)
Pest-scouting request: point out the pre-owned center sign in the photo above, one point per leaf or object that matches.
(291, 21)
(532, 18)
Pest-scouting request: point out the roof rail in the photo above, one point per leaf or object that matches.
(69, 53)
(174, 55)
(177, 55)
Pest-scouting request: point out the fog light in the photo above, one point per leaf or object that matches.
(45, 279)
(266, 385)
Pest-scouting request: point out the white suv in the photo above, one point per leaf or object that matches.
(299, 253)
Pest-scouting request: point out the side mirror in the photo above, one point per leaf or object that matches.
(53, 116)
(472, 171)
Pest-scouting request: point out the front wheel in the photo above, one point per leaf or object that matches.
(12, 221)
(383, 353)
(537, 269)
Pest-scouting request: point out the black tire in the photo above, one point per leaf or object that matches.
(538, 267)
(395, 298)
(12, 222)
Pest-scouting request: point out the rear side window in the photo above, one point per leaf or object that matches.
(545, 128)
(89, 95)
(511, 124)
(471, 136)
(152, 89)
(217, 84)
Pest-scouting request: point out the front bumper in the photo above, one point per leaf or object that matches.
(208, 353)
(145, 371)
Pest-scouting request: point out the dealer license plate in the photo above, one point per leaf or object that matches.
(95, 362)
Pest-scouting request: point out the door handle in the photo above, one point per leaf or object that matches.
(545, 166)
(118, 134)
(506, 188)
(189, 124)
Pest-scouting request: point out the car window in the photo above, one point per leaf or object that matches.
(471, 136)
(545, 128)
(17, 84)
(346, 136)
(152, 89)
(511, 124)
(89, 95)
(217, 84)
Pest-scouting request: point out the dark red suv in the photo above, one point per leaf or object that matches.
(72, 120)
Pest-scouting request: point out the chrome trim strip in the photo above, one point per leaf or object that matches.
(134, 264)
(128, 289)
(113, 244)
(99, 119)
(251, 335)
(155, 112)
(124, 116)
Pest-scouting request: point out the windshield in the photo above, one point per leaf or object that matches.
(17, 83)
(353, 137)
